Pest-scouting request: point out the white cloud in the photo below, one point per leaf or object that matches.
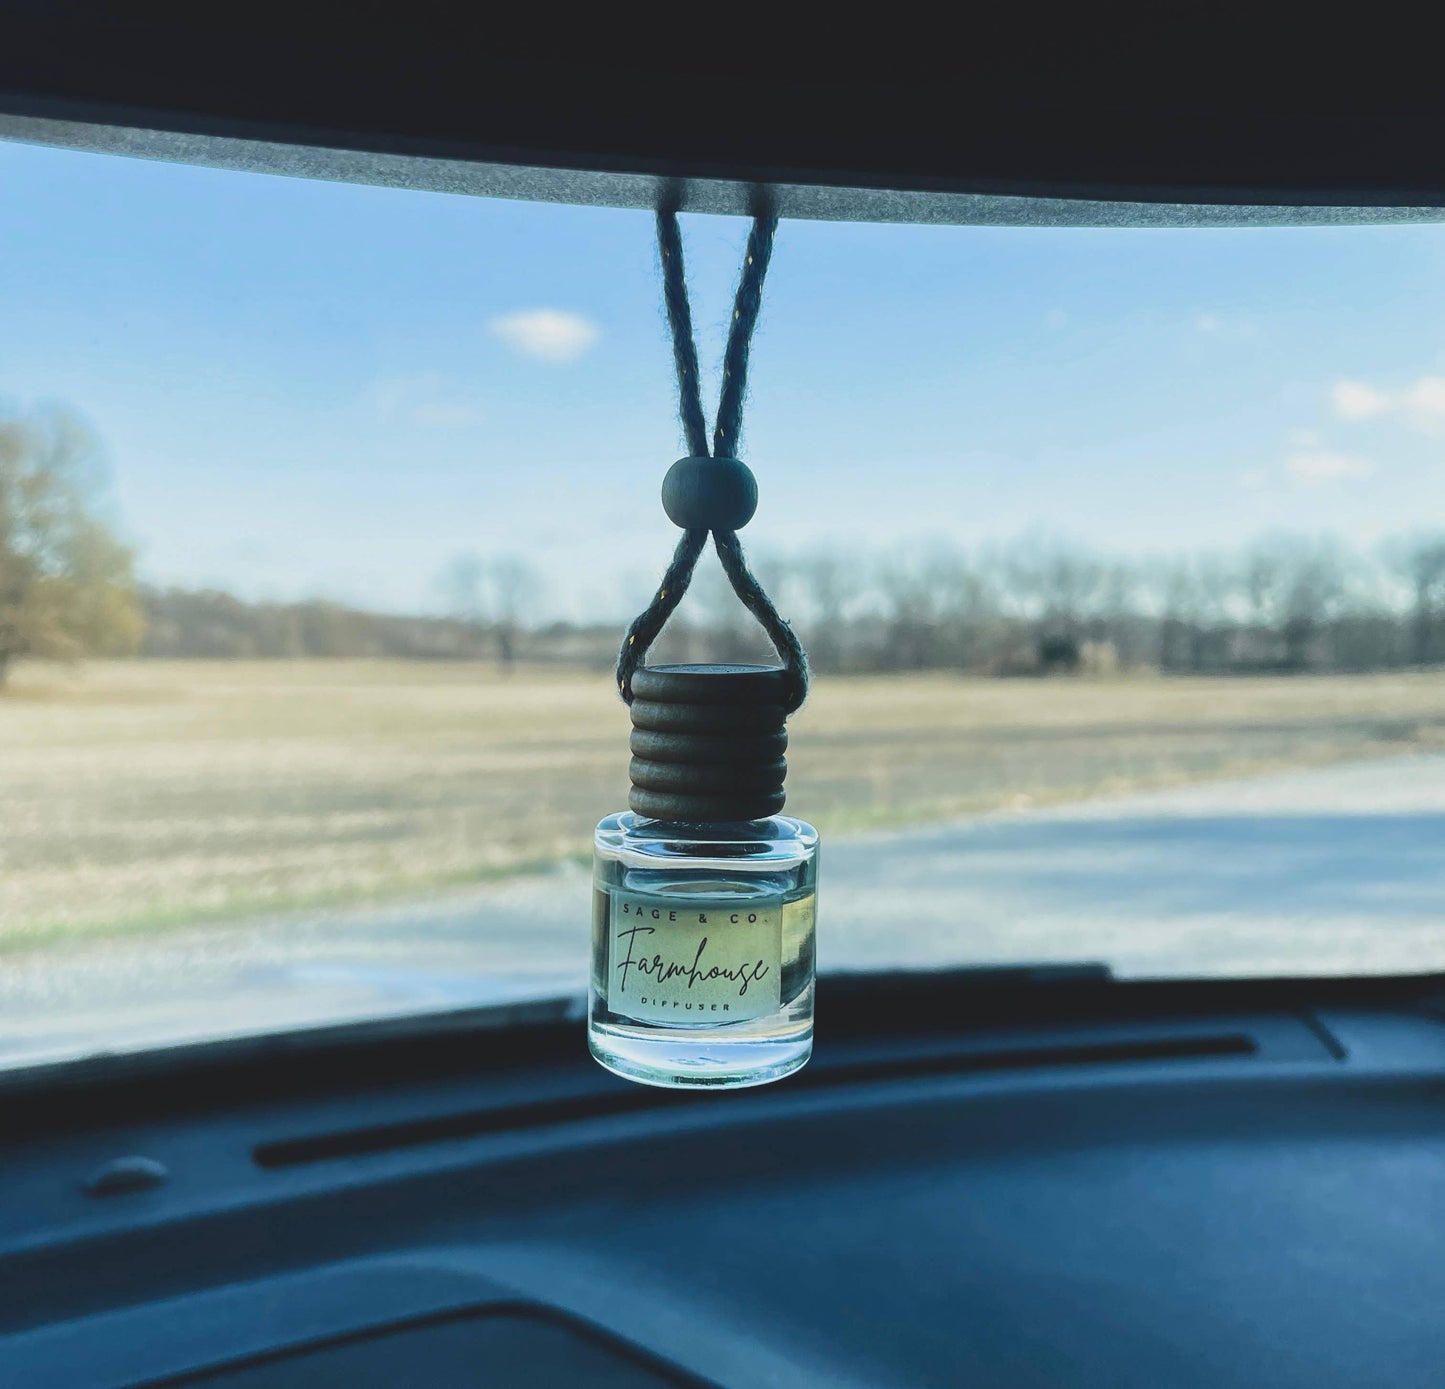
(1421, 404)
(1426, 398)
(1226, 327)
(1315, 469)
(547, 335)
(423, 401)
(1354, 400)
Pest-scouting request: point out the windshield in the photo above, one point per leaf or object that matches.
(1119, 554)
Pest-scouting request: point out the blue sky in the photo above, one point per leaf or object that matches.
(308, 388)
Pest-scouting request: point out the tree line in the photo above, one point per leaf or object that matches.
(1282, 603)
(1032, 606)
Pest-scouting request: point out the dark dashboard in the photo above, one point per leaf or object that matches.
(1053, 1180)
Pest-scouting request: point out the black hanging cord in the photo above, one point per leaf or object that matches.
(679, 320)
(726, 433)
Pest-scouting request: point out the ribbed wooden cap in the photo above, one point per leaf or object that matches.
(708, 742)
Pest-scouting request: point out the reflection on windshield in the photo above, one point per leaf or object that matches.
(312, 568)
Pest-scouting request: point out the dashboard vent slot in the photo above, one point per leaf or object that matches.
(1196, 1047)
(379, 1138)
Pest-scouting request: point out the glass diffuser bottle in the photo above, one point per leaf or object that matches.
(705, 897)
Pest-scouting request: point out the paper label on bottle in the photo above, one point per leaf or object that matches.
(695, 961)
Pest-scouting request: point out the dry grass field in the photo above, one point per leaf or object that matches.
(139, 794)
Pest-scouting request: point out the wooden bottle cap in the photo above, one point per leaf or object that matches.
(708, 742)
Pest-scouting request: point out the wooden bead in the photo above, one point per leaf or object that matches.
(715, 494)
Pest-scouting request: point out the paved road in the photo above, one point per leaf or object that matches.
(1339, 869)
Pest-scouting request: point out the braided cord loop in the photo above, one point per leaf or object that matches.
(727, 431)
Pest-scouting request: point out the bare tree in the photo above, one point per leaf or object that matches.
(911, 586)
(1117, 610)
(462, 584)
(830, 579)
(1194, 593)
(66, 583)
(1295, 586)
(1055, 584)
(499, 593)
(1420, 560)
(1179, 614)
(969, 612)
(514, 585)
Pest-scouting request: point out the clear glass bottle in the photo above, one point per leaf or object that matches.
(702, 949)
